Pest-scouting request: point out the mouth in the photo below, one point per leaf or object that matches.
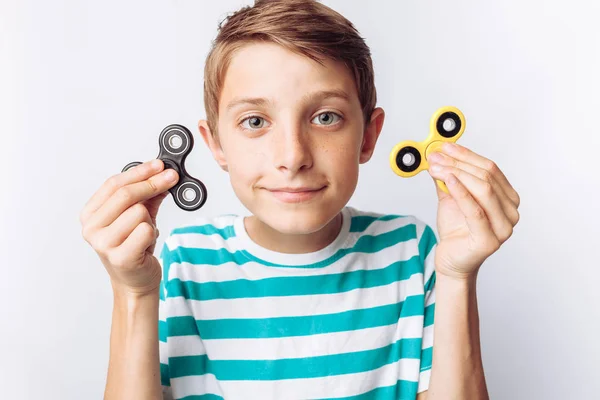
(296, 195)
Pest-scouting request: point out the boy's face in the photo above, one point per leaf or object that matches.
(295, 138)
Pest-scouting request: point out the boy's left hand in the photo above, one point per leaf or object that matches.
(478, 214)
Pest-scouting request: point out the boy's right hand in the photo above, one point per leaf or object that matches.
(119, 222)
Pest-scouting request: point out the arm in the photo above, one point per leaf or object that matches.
(475, 217)
(133, 369)
(457, 368)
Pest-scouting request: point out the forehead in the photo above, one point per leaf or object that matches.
(271, 71)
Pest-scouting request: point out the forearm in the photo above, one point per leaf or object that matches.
(134, 367)
(457, 368)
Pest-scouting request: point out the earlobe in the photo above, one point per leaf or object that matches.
(213, 144)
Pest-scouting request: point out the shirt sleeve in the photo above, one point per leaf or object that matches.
(427, 245)
(163, 348)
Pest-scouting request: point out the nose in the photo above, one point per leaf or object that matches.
(292, 150)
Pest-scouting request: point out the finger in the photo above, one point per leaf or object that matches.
(464, 154)
(478, 200)
(153, 205)
(130, 194)
(116, 233)
(440, 193)
(509, 207)
(112, 184)
(133, 250)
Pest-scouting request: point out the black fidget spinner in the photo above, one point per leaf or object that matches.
(175, 143)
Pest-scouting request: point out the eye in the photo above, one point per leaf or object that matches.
(254, 120)
(327, 121)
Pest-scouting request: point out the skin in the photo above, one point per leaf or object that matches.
(299, 143)
(293, 143)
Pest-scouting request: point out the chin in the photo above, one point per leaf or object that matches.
(296, 219)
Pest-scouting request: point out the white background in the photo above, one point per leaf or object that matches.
(87, 86)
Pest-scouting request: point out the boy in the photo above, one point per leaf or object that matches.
(307, 297)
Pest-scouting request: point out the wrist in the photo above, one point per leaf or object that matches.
(132, 295)
(457, 279)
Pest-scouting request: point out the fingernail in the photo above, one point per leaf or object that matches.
(449, 146)
(155, 163)
(436, 168)
(435, 157)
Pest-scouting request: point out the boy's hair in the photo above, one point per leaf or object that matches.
(306, 27)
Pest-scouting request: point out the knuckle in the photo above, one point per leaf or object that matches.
(517, 217)
(85, 232)
(152, 184)
(140, 211)
(125, 194)
(146, 229)
(464, 194)
(490, 166)
(490, 244)
(113, 182)
(479, 213)
(101, 244)
(486, 176)
(494, 245)
(505, 233)
(150, 229)
(487, 189)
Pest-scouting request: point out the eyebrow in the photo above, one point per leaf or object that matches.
(261, 101)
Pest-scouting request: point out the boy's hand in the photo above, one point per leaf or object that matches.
(477, 215)
(119, 222)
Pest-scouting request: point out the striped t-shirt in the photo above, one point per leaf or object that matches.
(353, 320)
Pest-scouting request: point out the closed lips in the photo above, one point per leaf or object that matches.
(297, 190)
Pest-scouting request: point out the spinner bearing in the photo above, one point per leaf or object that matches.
(408, 158)
(175, 143)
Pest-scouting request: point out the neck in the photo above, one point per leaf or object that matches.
(269, 238)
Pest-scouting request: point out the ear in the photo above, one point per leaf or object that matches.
(213, 144)
(371, 134)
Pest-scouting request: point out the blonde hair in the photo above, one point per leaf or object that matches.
(306, 27)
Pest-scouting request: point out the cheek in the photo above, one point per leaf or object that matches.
(341, 162)
(244, 164)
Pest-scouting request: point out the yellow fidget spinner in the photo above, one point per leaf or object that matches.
(408, 158)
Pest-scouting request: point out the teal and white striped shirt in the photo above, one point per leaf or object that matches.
(353, 320)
